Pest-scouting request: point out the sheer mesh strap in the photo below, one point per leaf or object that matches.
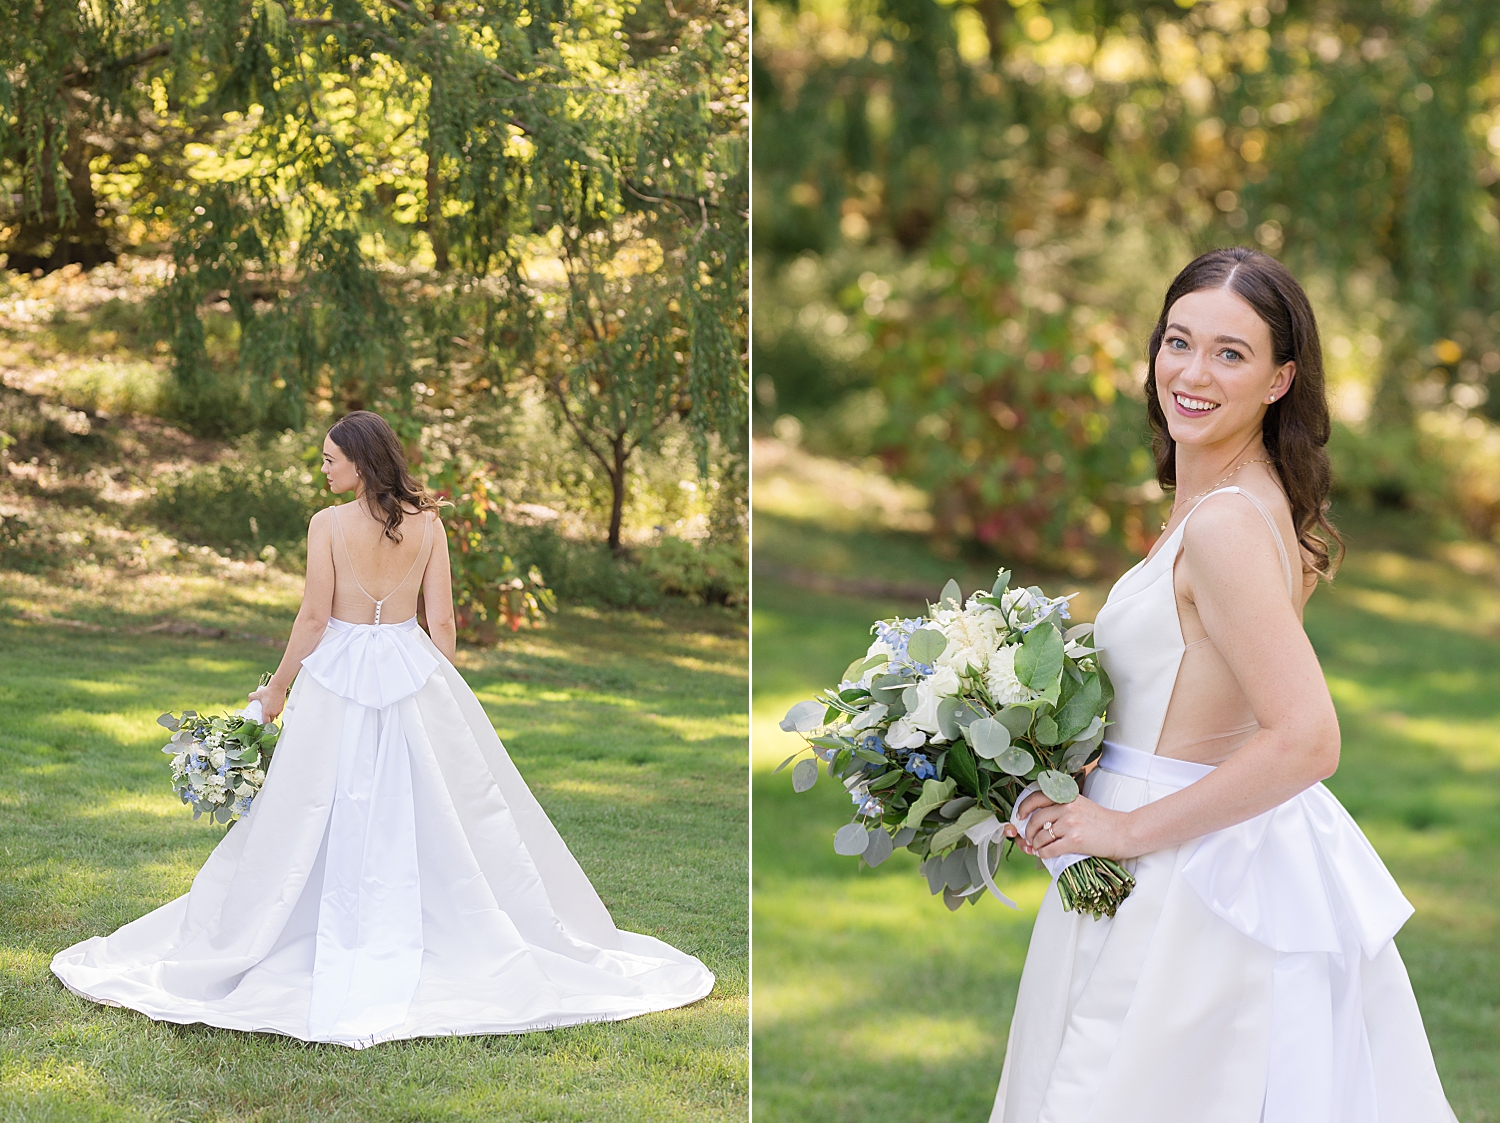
(1286, 564)
(421, 551)
(348, 558)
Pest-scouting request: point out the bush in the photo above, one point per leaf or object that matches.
(262, 496)
(704, 572)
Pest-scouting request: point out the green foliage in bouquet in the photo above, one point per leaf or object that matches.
(218, 763)
(950, 720)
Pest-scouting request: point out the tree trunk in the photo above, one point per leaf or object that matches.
(435, 230)
(617, 481)
(41, 241)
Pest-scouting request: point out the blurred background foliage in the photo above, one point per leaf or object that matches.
(518, 230)
(967, 212)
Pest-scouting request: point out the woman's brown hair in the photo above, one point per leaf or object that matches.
(1297, 425)
(366, 439)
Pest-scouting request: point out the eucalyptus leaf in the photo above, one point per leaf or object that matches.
(787, 761)
(170, 722)
(1059, 787)
(1016, 761)
(956, 870)
(951, 594)
(878, 848)
(888, 780)
(872, 716)
(851, 839)
(888, 688)
(1046, 732)
(870, 755)
(1017, 719)
(803, 717)
(932, 870)
(1002, 582)
(925, 645)
(989, 737)
(956, 807)
(903, 837)
(947, 717)
(805, 775)
(953, 901)
(966, 716)
(1078, 631)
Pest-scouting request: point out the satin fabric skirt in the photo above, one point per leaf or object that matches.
(395, 878)
(1164, 1013)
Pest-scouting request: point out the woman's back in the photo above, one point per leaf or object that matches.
(376, 581)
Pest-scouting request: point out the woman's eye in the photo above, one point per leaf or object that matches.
(1232, 355)
(1179, 344)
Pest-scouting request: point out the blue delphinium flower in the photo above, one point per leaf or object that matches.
(865, 803)
(873, 741)
(920, 767)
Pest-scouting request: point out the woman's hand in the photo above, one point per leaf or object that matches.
(1080, 827)
(272, 699)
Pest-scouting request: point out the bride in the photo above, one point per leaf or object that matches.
(395, 877)
(1251, 976)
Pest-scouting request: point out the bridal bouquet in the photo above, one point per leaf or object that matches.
(218, 763)
(949, 721)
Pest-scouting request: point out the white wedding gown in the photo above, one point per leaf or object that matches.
(394, 878)
(1251, 977)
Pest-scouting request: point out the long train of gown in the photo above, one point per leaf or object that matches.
(1250, 977)
(394, 878)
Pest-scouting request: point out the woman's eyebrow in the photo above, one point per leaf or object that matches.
(1217, 339)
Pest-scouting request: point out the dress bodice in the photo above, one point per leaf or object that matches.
(1139, 635)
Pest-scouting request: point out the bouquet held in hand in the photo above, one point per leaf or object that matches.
(948, 722)
(219, 763)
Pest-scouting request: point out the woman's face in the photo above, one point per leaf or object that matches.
(340, 470)
(1215, 372)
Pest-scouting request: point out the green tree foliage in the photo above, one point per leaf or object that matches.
(1020, 159)
(383, 193)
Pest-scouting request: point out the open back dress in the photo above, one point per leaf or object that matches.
(394, 878)
(1251, 976)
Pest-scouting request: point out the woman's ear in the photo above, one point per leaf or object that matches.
(1282, 382)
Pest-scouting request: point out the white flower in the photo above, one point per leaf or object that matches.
(1001, 681)
(903, 735)
(942, 683)
(972, 638)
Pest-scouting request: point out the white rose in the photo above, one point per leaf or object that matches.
(1001, 681)
(902, 735)
(942, 683)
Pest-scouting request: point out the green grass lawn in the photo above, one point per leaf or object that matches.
(873, 1002)
(630, 728)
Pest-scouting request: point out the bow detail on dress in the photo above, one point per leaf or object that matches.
(375, 665)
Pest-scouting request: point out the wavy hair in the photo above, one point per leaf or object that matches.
(1297, 425)
(367, 439)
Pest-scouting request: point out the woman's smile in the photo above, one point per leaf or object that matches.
(1189, 406)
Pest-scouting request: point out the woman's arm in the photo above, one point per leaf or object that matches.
(312, 617)
(1233, 576)
(437, 594)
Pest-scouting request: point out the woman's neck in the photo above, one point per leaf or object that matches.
(1200, 467)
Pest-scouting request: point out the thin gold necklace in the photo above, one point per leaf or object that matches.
(1225, 480)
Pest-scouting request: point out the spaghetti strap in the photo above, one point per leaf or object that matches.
(421, 552)
(1286, 565)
